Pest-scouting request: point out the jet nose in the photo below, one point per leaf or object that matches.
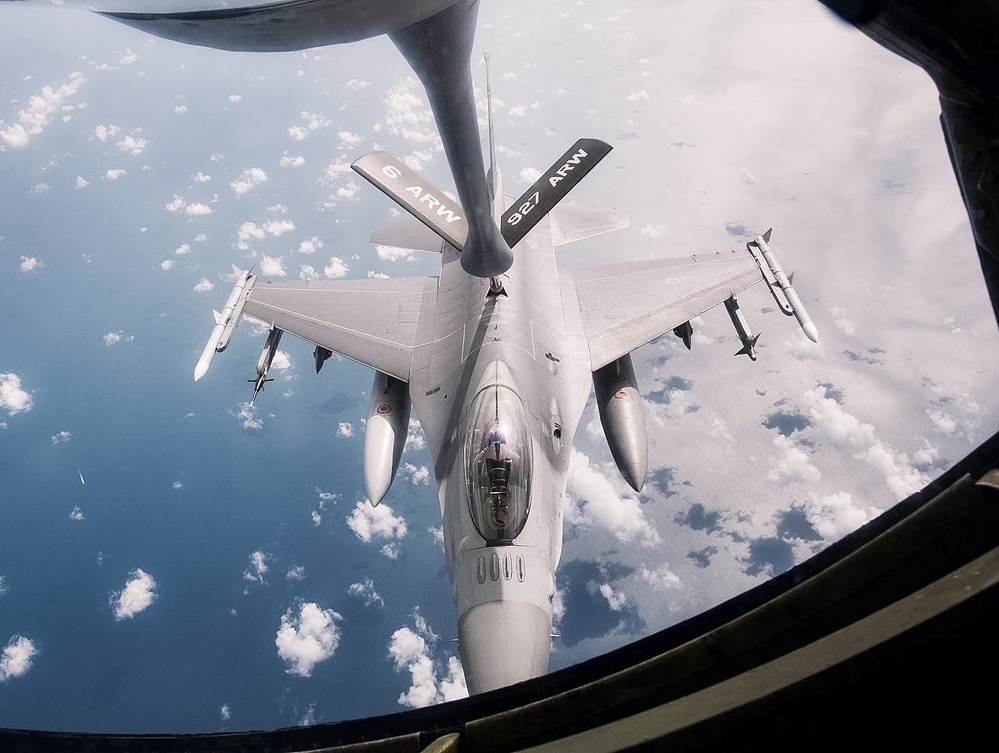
(503, 642)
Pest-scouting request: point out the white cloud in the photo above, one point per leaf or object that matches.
(366, 591)
(662, 578)
(355, 84)
(344, 430)
(336, 268)
(114, 173)
(529, 175)
(113, 338)
(792, 465)
(593, 500)
(616, 600)
(295, 574)
(225, 712)
(3, 585)
(834, 515)
(305, 639)
(17, 657)
(13, 398)
(130, 144)
(30, 263)
(257, 569)
(250, 179)
(177, 485)
(175, 205)
(104, 132)
(272, 267)
(418, 475)
(61, 437)
(182, 249)
(369, 522)
(641, 94)
(311, 122)
(139, 592)
(81, 182)
(410, 651)
(167, 264)
(310, 245)
(200, 177)
(248, 417)
(278, 227)
(349, 140)
(287, 161)
(32, 120)
(234, 98)
(408, 114)
(75, 514)
(197, 209)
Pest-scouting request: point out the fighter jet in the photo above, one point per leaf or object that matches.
(497, 354)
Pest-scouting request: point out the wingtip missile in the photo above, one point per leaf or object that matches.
(225, 321)
(777, 280)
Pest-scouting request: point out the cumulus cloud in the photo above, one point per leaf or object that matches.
(310, 245)
(408, 114)
(30, 264)
(61, 437)
(75, 514)
(113, 338)
(792, 465)
(167, 264)
(310, 122)
(104, 132)
(336, 268)
(366, 591)
(17, 657)
(829, 419)
(410, 650)
(247, 417)
(250, 179)
(32, 120)
(81, 182)
(114, 173)
(139, 592)
(835, 515)
(418, 475)
(257, 568)
(593, 500)
(661, 578)
(307, 638)
(288, 161)
(369, 523)
(132, 144)
(13, 398)
(204, 286)
(272, 267)
(345, 430)
(197, 209)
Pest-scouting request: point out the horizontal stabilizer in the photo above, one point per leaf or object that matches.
(408, 234)
(551, 188)
(571, 222)
(427, 204)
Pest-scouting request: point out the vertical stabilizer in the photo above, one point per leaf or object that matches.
(493, 181)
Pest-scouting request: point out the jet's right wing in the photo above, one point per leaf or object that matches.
(372, 321)
(626, 305)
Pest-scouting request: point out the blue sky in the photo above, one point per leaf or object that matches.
(216, 570)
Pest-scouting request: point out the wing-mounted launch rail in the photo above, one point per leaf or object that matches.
(226, 320)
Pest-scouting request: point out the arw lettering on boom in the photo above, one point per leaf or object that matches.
(423, 196)
(564, 171)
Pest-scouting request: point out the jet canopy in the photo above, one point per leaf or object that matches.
(498, 464)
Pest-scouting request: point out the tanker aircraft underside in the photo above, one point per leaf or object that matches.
(497, 354)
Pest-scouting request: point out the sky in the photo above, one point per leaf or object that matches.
(174, 560)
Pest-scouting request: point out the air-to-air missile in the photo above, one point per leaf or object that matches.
(780, 286)
(265, 360)
(226, 321)
(742, 328)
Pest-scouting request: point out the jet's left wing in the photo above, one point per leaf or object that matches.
(626, 305)
(372, 321)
